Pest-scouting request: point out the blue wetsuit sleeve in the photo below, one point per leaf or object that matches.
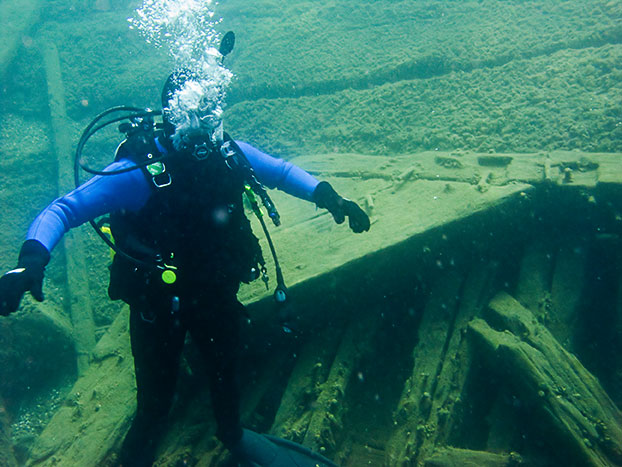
(98, 196)
(278, 173)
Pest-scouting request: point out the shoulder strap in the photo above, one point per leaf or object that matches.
(235, 158)
(140, 147)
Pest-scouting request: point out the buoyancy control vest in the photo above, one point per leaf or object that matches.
(194, 220)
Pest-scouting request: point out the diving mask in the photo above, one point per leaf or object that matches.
(195, 110)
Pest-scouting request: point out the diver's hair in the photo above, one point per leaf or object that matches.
(175, 81)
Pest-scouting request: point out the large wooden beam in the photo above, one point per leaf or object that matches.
(452, 457)
(79, 303)
(16, 18)
(89, 428)
(584, 422)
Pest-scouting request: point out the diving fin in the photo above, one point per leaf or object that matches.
(226, 44)
(256, 450)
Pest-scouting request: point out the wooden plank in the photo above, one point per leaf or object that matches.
(476, 293)
(415, 406)
(451, 457)
(311, 370)
(326, 421)
(566, 290)
(16, 18)
(409, 195)
(79, 302)
(432, 427)
(534, 283)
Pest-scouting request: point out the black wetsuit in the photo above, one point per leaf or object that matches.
(196, 224)
(212, 317)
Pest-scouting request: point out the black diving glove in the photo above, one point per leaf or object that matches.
(326, 197)
(26, 277)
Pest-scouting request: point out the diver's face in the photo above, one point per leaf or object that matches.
(196, 114)
(201, 124)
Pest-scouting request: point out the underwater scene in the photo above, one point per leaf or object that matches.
(353, 233)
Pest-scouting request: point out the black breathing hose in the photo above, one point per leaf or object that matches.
(134, 114)
(93, 127)
(89, 131)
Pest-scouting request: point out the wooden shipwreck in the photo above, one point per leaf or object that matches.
(477, 323)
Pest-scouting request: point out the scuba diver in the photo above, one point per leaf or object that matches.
(184, 245)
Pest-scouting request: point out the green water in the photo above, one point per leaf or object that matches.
(381, 78)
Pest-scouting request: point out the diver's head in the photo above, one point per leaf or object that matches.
(192, 108)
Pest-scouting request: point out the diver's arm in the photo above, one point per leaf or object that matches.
(99, 195)
(279, 173)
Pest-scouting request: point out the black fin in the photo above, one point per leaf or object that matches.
(226, 44)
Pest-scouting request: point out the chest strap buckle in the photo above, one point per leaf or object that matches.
(162, 180)
(159, 175)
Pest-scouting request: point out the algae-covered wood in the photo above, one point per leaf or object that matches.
(407, 195)
(582, 417)
(483, 138)
(422, 251)
(17, 17)
(98, 410)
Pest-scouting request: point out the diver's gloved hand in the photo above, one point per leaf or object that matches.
(26, 277)
(326, 197)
